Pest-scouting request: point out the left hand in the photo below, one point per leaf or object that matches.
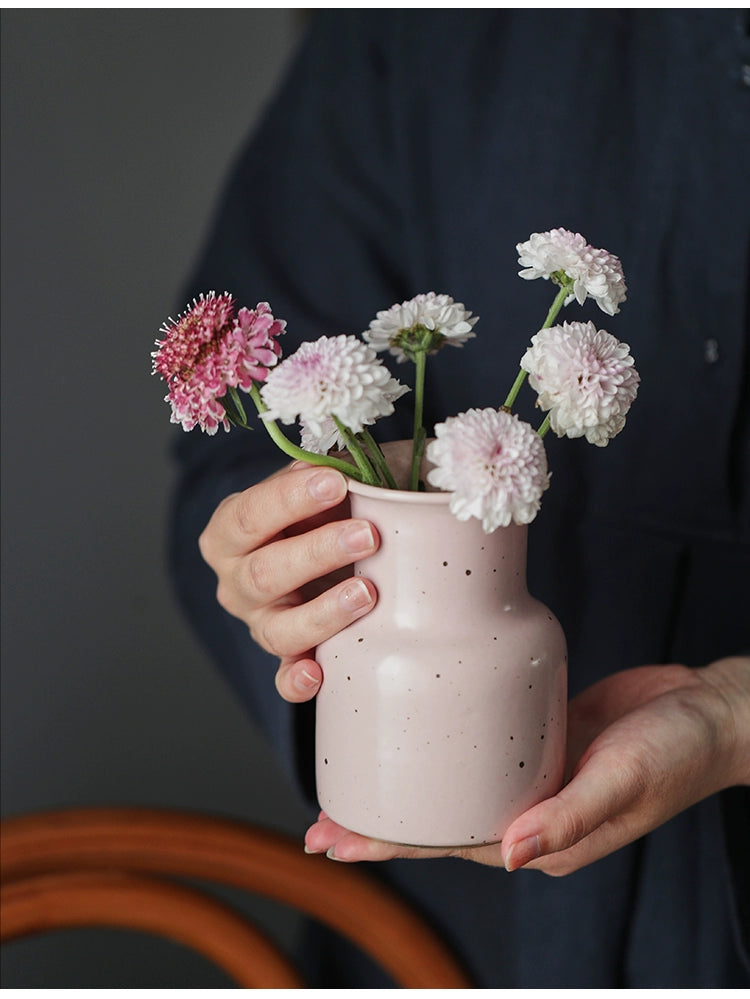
(643, 745)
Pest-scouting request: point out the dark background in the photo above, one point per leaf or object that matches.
(117, 129)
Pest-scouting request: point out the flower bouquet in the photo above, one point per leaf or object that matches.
(492, 463)
(442, 712)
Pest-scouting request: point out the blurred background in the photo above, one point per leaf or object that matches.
(118, 127)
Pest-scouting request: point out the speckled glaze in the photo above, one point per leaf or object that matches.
(441, 716)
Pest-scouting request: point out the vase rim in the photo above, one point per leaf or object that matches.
(399, 495)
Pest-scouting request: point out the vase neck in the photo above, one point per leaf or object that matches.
(429, 559)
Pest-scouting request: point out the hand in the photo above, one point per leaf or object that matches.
(281, 552)
(643, 745)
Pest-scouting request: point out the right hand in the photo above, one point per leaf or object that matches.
(281, 551)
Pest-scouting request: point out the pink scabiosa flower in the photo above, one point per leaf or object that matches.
(339, 377)
(594, 273)
(424, 323)
(494, 465)
(586, 379)
(209, 350)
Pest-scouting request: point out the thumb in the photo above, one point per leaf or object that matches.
(592, 809)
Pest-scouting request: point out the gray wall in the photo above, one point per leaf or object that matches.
(118, 127)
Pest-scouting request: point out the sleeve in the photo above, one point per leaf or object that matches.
(735, 807)
(308, 222)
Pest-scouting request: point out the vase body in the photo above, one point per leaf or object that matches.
(442, 712)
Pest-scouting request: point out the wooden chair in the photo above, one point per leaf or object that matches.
(127, 868)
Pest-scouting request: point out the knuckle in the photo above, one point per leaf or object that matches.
(264, 633)
(318, 623)
(255, 629)
(317, 546)
(209, 538)
(567, 828)
(258, 573)
(244, 511)
(224, 596)
(318, 549)
(205, 546)
(573, 827)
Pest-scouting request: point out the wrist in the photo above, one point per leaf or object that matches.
(729, 680)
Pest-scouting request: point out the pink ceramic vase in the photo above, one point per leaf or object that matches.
(442, 712)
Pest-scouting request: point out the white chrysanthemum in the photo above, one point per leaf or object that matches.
(331, 377)
(436, 318)
(321, 441)
(494, 464)
(327, 435)
(586, 379)
(595, 273)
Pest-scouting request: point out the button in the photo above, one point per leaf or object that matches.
(711, 351)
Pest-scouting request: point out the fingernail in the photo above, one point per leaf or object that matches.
(523, 852)
(358, 538)
(305, 681)
(331, 854)
(355, 596)
(328, 485)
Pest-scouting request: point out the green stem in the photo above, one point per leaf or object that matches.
(515, 388)
(420, 362)
(297, 452)
(543, 426)
(557, 304)
(378, 459)
(355, 450)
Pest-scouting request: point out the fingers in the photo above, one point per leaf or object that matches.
(247, 520)
(585, 821)
(667, 750)
(639, 772)
(289, 631)
(280, 567)
(338, 843)
(280, 550)
(299, 679)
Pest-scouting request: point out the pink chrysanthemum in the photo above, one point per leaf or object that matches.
(586, 379)
(595, 273)
(209, 350)
(430, 320)
(331, 377)
(494, 464)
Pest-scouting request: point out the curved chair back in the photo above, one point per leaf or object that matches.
(117, 867)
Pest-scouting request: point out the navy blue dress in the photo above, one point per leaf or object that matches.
(409, 151)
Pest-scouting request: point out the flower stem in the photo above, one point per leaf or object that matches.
(515, 388)
(420, 363)
(355, 449)
(543, 426)
(557, 304)
(378, 459)
(299, 453)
